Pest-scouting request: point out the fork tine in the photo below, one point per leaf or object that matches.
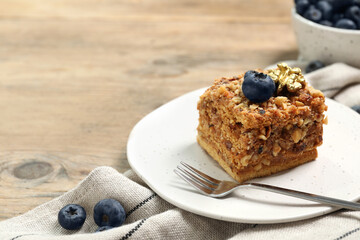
(197, 179)
(201, 174)
(197, 186)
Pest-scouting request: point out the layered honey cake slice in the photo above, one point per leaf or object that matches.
(261, 122)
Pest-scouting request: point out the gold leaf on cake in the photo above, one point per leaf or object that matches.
(285, 76)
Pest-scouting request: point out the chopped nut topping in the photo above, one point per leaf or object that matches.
(299, 103)
(288, 77)
(245, 160)
(300, 122)
(253, 106)
(280, 101)
(276, 149)
(315, 93)
(262, 137)
(266, 162)
(325, 121)
(307, 120)
(296, 135)
(258, 167)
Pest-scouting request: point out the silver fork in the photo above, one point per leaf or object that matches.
(216, 188)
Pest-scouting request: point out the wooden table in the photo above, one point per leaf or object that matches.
(77, 76)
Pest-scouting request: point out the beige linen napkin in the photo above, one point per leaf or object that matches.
(338, 81)
(150, 217)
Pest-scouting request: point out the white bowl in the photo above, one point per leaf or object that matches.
(327, 44)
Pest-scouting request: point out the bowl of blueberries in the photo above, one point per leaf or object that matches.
(328, 30)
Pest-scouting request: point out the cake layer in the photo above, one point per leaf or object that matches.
(276, 164)
(237, 141)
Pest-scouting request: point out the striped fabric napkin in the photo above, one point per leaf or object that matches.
(338, 81)
(150, 217)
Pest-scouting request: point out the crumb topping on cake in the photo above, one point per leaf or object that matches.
(281, 107)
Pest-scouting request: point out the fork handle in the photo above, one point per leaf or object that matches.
(308, 196)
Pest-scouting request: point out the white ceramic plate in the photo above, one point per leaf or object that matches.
(167, 136)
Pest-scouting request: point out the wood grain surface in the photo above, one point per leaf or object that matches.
(76, 76)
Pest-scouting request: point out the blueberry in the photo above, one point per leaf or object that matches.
(337, 16)
(103, 228)
(353, 13)
(341, 5)
(356, 3)
(356, 108)
(313, 14)
(326, 23)
(314, 65)
(301, 6)
(345, 24)
(326, 9)
(258, 87)
(109, 212)
(72, 217)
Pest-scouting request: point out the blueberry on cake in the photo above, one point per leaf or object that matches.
(261, 122)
